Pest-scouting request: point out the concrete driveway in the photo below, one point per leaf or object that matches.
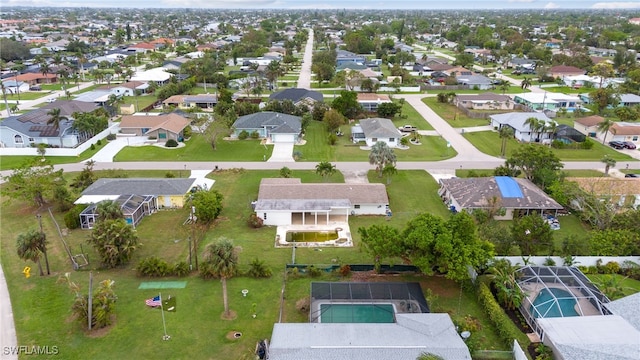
(282, 152)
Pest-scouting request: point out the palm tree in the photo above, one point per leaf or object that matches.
(504, 86)
(29, 247)
(55, 119)
(608, 163)
(525, 83)
(45, 69)
(107, 210)
(506, 133)
(325, 169)
(552, 128)
(504, 280)
(221, 260)
(388, 171)
(4, 95)
(533, 124)
(273, 72)
(381, 155)
(604, 127)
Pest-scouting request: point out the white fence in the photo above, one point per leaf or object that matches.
(402, 89)
(578, 260)
(29, 151)
(518, 353)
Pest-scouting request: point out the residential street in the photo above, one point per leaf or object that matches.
(304, 79)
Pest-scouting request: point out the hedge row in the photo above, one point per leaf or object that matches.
(155, 267)
(506, 329)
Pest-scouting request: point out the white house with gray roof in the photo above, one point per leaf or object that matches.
(376, 129)
(274, 126)
(408, 337)
(521, 129)
(289, 201)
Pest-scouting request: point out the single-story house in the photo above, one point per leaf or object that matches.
(623, 192)
(98, 97)
(202, 101)
(344, 56)
(36, 78)
(522, 130)
(629, 100)
(376, 129)
(271, 125)
(11, 86)
(486, 101)
(29, 129)
(163, 127)
(126, 89)
(588, 125)
(548, 101)
(371, 101)
(137, 196)
(289, 201)
(298, 96)
(521, 63)
(564, 70)
(497, 192)
(157, 75)
(619, 131)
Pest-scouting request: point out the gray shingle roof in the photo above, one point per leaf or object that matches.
(268, 119)
(140, 186)
(296, 94)
(379, 128)
(410, 336)
(517, 119)
(628, 308)
(473, 193)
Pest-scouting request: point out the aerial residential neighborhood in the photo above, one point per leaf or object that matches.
(304, 181)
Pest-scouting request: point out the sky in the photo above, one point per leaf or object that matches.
(335, 4)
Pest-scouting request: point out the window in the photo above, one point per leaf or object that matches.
(635, 138)
(356, 206)
(264, 216)
(31, 139)
(374, 139)
(392, 140)
(18, 139)
(162, 135)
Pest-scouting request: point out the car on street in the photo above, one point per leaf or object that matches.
(629, 145)
(636, 176)
(617, 145)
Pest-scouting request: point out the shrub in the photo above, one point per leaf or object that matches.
(549, 262)
(171, 143)
(332, 139)
(612, 267)
(314, 271)
(255, 221)
(72, 217)
(181, 269)
(93, 146)
(254, 135)
(345, 270)
(404, 141)
(505, 328)
(186, 133)
(243, 135)
(587, 144)
(258, 269)
(154, 267)
(297, 155)
(169, 175)
(111, 137)
(99, 142)
(285, 172)
(294, 272)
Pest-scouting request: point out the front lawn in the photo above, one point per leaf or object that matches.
(489, 142)
(11, 162)
(452, 115)
(317, 147)
(199, 149)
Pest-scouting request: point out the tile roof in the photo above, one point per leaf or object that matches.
(608, 185)
(34, 76)
(590, 120)
(373, 97)
(379, 128)
(474, 193)
(140, 186)
(171, 122)
(625, 128)
(566, 69)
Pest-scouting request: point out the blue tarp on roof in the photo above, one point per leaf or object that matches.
(509, 188)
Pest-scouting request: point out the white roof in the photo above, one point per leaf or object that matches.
(600, 337)
(94, 199)
(537, 98)
(157, 74)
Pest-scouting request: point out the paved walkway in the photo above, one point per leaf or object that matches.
(7, 329)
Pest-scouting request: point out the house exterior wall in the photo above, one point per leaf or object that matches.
(490, 105)
(163, 135)
(122, 91)
(586, 130)
(275, 218)
(371, 105)
(12, 139)
(175, 201)
(633, 138)
(391, 142)
(132, 131)
(368, 209)
(508, 215)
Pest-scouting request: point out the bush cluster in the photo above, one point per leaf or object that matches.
(111, 137)
(72, 217)
(171, 143)
(586, 145)
(156, 267)
(506, 329)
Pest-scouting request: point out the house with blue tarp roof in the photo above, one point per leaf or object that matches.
(510, 195)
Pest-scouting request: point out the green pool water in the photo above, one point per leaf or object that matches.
(311, 236)
(357, 313)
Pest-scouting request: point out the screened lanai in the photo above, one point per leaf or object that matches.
(134, 208)
(558, 291)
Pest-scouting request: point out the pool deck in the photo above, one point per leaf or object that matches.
(583, 307)
(342, 228)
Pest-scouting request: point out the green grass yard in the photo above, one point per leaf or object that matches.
(452, 115)
(12, 162)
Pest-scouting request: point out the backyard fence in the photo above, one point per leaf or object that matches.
(384, 269)
(577, 260)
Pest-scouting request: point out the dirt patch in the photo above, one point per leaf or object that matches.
(233, 335)
(230, 316)
(98, 333)
(355, 177)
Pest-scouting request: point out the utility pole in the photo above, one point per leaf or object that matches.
(90, 298)
(193, 236)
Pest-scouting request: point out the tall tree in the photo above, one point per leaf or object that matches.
(34, 181)
(221, 261)
(381, 242)
(389, 170)
(532, 234)
(55, 118)
(208, 205)
(608, 163)
(325, 169)
(381, 155)
(506, 133)
(538, 164)
(30, 245)
(604, 128)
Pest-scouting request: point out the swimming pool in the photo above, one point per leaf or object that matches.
(357, 313)
(311, 236)
(545, 304)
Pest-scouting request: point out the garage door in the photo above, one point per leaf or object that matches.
(283, 138)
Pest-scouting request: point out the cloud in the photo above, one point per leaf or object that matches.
(551, 5)
(616, 5)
